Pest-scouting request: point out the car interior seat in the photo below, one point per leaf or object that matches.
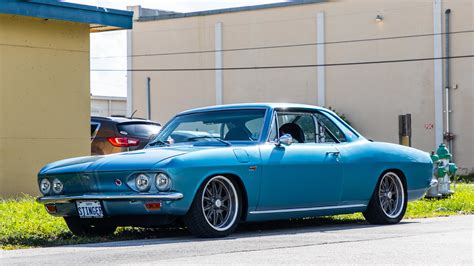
(237, 133)
(294, 130)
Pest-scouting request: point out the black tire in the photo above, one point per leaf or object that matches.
(197, 221)
(81, 227)
(378, 212)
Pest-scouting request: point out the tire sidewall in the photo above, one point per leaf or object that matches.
(405, 199)
(374, 213)
(196, 214)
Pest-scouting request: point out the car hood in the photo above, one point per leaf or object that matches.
(126, 161)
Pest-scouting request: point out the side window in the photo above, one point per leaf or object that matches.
(254, 126)
(299, 125)
(327, 131)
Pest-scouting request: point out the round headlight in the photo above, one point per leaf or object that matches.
(163, 182)
(142, 182)
(57, 186)
(45, 186)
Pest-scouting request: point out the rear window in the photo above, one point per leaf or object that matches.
(138, 129)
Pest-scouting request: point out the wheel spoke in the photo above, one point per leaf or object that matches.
(208, 191)
(214, 189)
(220, 216)
(209, 215)
(214, 217)
(391, 186)
(385, 204)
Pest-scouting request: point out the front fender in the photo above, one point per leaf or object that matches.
(190, 171)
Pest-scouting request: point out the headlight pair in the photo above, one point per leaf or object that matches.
(45, 186)
(143, 182)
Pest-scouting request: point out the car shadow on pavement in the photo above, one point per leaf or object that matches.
(140, 237)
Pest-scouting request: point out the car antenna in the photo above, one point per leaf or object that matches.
(131, 117)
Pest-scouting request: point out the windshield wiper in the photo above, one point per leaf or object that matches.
(213, 138)
(158, 142)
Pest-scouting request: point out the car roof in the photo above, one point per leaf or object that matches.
(120, 119)
(252, 106)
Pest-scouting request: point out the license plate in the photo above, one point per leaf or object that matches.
(89, 209)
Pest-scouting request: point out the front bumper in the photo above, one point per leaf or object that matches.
(164, 196)
(117, 204)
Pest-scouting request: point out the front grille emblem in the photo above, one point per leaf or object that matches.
(118, 182)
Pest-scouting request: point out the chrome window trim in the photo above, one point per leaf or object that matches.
(274, 122)
(253, 142)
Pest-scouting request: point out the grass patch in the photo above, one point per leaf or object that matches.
(462, 202)
(25, 223)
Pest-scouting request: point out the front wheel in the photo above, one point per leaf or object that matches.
(81, 227)
(389, 201)
(216, 209)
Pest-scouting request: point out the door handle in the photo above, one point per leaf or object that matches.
(334, 153)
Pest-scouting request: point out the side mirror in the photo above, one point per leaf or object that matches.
(286, 140)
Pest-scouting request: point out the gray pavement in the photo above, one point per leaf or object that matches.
(445, 240)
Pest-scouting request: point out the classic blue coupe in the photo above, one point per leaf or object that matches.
(215, 167)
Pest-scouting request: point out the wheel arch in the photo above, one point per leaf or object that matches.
(238, 181)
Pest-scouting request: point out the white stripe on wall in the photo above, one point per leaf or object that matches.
(218, 57)
(438, 73)
(320, 59)
(129, 74)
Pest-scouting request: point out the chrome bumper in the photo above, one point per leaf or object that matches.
(170, 196)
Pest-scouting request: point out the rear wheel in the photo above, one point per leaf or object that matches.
(216, 209)
(81, 227)
(389, 201)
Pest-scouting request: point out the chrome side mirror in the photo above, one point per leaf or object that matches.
(286, 140)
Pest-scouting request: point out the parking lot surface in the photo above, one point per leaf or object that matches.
(445, 240)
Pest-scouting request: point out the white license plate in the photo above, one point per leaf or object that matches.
(89, 209)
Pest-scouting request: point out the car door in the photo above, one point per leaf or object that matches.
(306, 173)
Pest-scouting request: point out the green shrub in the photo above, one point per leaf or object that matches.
(342, 116)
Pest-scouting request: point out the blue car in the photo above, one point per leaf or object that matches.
(212, 168)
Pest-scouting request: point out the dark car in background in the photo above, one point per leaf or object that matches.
(120, 134)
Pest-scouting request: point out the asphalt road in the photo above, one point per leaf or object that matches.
(445, 240)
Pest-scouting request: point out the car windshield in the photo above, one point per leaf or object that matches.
(221, 127)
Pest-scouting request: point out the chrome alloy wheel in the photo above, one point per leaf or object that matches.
(391, 195)
(220, 203)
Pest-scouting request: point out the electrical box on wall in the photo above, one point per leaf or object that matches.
(404, 129)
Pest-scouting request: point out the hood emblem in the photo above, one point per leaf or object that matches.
(118, 182)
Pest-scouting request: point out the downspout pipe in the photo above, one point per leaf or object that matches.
(448, 135)
(148, 97)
